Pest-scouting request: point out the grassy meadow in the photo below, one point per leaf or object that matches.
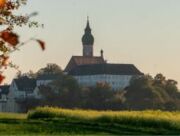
(48, 120)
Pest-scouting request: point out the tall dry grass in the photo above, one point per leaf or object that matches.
(140, 118)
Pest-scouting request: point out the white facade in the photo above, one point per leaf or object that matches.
(14, 93)
(11, 104)
(43, 82)
(115, 81)
(3, 106)
(3, 103)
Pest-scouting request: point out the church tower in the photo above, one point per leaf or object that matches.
(87, 41)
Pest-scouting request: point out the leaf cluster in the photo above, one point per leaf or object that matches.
(9, 40)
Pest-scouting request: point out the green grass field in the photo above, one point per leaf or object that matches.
(48, 121)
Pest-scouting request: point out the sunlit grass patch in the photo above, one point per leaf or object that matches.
(48, 120)
(46, 112)
(159, 119)
(12, 116)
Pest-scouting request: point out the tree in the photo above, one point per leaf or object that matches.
(48, 96)
(62, 92)
(171, 88)
(141, 94)
(28, 104)
(146, 92)
(9, 40)
(100, 97)
(50, 69)
(160, 80)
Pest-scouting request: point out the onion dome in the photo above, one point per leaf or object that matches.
(87, 38)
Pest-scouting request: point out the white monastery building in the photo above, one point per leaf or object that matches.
(90, 70)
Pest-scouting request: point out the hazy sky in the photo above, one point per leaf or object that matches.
(143, 32)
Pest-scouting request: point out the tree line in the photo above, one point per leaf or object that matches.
(144, 92)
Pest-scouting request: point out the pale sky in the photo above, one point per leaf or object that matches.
(145, 33)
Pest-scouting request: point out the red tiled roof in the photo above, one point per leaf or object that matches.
(83, 60)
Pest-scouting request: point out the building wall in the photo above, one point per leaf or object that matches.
(115, 81)
(37, 94)
(3, 103)
(42, 82)
(3, 106)
(11, 105)
(14, 94)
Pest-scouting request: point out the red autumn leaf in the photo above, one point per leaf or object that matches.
(5, 60)
(2, 3)
(10, 37)
(41, 43)
(1, 78)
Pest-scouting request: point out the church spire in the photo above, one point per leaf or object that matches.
(88, 29)
(87, 41)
